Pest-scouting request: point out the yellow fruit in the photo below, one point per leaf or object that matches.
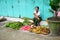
(38, 28)
(38, 32)
(34, 30)
(47, 30)
(44, 33)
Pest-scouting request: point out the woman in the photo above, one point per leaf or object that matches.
(37, 19)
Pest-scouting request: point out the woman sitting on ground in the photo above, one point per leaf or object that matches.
(37, 19)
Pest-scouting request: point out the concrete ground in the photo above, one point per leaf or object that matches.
(10, 34)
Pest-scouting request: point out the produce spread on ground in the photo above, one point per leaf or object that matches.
(40, 30)
(26, 26)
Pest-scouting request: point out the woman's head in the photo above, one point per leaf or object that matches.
(37, 8)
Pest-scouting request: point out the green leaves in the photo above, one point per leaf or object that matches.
(54, 4)
(14, 25)
(26, 21)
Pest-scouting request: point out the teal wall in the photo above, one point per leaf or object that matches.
(24, 8)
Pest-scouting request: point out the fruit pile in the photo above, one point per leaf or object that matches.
(40, 30)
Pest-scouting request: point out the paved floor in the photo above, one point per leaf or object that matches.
(10, 34)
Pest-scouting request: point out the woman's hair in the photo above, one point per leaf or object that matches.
(37, 7)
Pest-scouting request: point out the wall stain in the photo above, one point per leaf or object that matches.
(6, 2)
(12, 6)
(18, 1)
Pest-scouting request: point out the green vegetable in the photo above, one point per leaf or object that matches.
(14, 25)
(26, 21)
(8, 24)
(17, 25)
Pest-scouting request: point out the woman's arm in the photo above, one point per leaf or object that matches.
(36, 16)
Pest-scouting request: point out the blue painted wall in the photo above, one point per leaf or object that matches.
(24, 8)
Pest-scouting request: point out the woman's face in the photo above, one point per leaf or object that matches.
(36, 9)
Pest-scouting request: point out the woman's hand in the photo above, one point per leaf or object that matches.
(36, 16)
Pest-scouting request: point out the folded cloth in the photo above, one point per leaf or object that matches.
(25, 28)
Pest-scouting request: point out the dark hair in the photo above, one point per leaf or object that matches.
(37, 7)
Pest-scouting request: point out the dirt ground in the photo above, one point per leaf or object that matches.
(10, 34)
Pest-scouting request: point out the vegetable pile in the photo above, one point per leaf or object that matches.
(26, 21)
(14, 25)
(18, 25)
